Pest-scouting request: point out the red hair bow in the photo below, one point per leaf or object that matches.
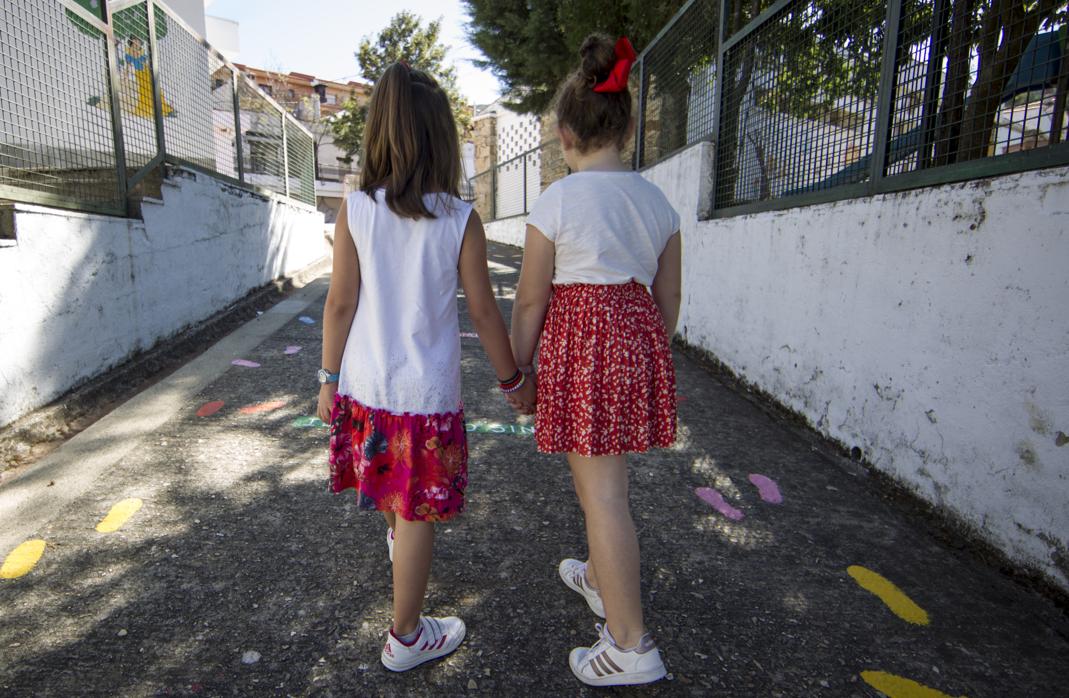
(625, 58)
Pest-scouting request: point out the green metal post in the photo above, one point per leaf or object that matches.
(234, 78)
(157, 85)
(885, 104)
(285, 156)
(116, 115)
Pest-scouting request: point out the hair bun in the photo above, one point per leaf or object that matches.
(597, 57)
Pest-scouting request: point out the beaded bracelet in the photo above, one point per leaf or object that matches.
(513, 384)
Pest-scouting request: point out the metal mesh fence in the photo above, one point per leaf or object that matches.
(57, 138)
(130, 27)
(799, 103)
(512, 187)
(977, 84)
(826, 95)
(186, 68)
(678, 75)
(261, 139)
(300, 157)
(82, 114)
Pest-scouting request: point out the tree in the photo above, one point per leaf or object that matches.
(404, 39)
(532, 46)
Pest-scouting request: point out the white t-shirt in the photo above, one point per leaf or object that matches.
(607, 227)
(403, 349)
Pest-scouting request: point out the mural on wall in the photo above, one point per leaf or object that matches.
(135, 68)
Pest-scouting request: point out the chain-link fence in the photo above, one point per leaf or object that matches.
(511, 187)
(94, 100)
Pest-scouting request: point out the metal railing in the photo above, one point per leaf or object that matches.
(96, 100)
(822, 100)
(511, 187)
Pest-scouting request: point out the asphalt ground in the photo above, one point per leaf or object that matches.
(232, 570)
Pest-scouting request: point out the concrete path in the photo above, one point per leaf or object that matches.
(227, 568)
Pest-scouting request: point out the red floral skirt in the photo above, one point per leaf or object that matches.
(606, 384)
(415, 465)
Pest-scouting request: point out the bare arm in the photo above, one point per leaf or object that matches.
(532, 294)
(340, 308)
(667, 284)
(482, 307)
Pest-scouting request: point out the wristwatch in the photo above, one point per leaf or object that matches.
(326, 376)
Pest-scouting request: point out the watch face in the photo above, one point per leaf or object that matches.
(322, 375)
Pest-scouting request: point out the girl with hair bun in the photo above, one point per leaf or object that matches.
(599, 295)
(391, 343)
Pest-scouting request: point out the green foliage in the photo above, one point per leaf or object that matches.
(347, 127)
(406, 39)
(532, 46)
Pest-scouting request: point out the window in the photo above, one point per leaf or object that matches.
(267, 89)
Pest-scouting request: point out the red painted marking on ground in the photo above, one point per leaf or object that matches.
(262, 407)
(210, 408)
(716, 501)
(767, 488)
(246, 363)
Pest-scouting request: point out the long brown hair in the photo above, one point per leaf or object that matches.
(596, 118)
(410, 142)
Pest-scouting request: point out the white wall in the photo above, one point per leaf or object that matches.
(926, 328)
(80, 293)
(510, 231)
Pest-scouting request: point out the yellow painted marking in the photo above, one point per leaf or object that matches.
(896, 600)
(899, 687)
(22, 559)
(119, 515)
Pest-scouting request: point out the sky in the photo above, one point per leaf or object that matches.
(319, 37)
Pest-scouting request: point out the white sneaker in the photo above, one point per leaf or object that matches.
(437, 637)
(605, 664)
(389, 542)
(573, 572)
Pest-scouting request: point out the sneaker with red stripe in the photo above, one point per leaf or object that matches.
(436, 637)
(605, 664)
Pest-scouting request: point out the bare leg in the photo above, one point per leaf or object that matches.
(412, 550)
(391, 518)
(601, 483)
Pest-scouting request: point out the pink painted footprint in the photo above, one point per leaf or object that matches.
(246, 363)
(716, 501)
(292, 349)
(767, 488)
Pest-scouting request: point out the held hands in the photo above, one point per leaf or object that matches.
(523, 400)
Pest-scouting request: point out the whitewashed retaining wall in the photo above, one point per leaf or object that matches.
(928, 328)
(80, 293)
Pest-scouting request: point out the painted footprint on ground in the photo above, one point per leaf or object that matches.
(767, 488)
(22, 559)
(900, 687)
(210, 408)
(893, 597)
(717, 501)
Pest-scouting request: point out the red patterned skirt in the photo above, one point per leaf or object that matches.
(415, 465)
(606, 384)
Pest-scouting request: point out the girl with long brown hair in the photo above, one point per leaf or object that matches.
(391, 343)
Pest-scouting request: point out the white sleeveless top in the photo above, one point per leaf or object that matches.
(403, 350)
